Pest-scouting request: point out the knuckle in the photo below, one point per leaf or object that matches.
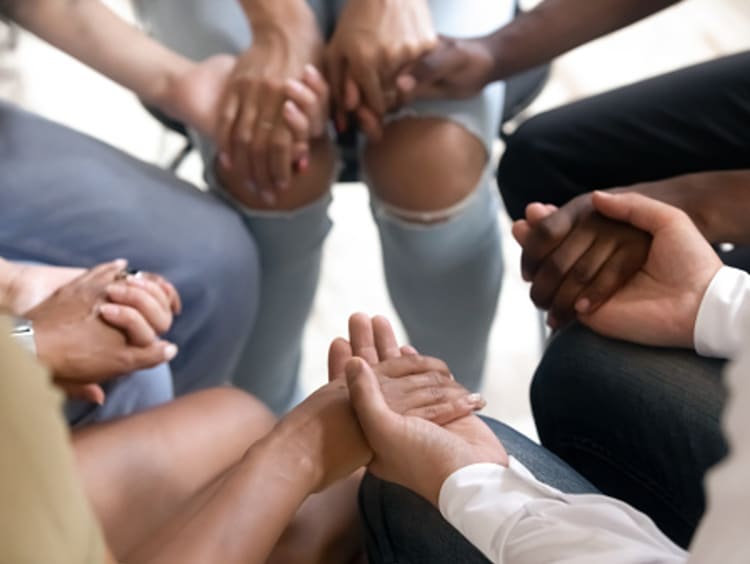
(437, 393)
(582, 272)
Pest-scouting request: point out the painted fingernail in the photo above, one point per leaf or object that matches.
(304, 164)
(109, 309)
(170, 351)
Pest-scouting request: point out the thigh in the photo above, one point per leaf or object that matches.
(401, 526)
(642, 424)
(695, 119)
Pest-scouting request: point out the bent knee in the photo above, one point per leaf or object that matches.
(236, 409)
(306, 187)
(425, 166)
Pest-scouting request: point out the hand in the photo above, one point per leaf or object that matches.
(323, 426)
(577, 259)
(256, 147)
(659, 305)
(84, 340)
(457, 68)
(414, 452)
(373, 42)
(193, 97)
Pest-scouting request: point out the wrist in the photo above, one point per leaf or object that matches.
(275, 15)
(289, 453)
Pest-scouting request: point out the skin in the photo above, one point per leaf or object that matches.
(658, 307)
(247, 461)
(91, 326)
(461, 68)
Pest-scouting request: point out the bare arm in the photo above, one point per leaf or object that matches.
(718, 202)
(89, 31)
(557, 26)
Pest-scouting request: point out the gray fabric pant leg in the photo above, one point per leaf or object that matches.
(67, 199)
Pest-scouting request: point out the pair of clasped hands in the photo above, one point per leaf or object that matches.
(278, 95)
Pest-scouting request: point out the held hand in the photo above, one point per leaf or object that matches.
(324, 427)
(256, 146)
(577, 258)
(84, 340)
(373, 42)
(411, 451)
(456, 69)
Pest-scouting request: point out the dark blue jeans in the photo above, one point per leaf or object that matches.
(69, 200)
(403, 528)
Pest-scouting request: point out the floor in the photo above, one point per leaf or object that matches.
(52, 84)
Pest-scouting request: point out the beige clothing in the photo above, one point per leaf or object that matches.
(44, 515)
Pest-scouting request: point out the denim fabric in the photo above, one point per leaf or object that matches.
(422, 280)
(403, 528)
(642, 424)
(69, 200)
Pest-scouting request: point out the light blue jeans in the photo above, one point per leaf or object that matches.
(444, 279)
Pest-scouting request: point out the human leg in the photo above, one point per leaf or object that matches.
(438, 227)
(642, 424)
(290, 237)
(66, 199)
(402, 527)
(691, 120)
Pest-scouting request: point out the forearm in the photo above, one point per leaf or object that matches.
(93, 34)
(243, 519)
(717, 202)
(557, 26)
(265, 14)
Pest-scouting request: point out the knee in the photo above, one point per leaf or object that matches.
(425, 165)
(306, 187)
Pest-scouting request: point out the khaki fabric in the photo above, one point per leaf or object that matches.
(44, 515)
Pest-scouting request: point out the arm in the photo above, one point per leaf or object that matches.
(557, 26)
(717, 202)
(89, 31)
(460, 68)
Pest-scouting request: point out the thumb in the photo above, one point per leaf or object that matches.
(375, 417)
(637, 210)
(92, 393)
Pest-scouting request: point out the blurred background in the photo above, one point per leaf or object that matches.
(42, 79)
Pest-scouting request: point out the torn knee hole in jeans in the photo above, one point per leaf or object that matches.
(385, 209)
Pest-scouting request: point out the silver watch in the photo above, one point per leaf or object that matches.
(23, 334)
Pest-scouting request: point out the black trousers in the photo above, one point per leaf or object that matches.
(641, 424)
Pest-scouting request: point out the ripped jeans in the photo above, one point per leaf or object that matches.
(444, 278)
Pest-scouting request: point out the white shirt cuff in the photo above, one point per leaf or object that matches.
(721, 319)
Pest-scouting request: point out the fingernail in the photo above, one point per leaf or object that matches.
(311, 70)
(450, 374)
(225, 160)
(109, 309)
(170, 351)
(268, 198)
(121, 263)
(477, 400)
(583, 305)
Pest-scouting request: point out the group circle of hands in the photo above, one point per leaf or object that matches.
(267, 106)
(400, 413)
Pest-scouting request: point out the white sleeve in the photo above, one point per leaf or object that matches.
(512, 517)
(723, 315)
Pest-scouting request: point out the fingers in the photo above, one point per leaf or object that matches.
(449, 410)
(242, 136)
(298, 122)
(385, 339)
(411, 364)
(362, 338)
(370, 87)
(130, 321)
(281, 159)
(92, 393)
(136, 294)
(376, 418)
(139, 358)
(230, 107)
(173, 296)
(370, 123)
(613, 275)
(553, 269)
(637, 210)
(543, 238)
(339, 354)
